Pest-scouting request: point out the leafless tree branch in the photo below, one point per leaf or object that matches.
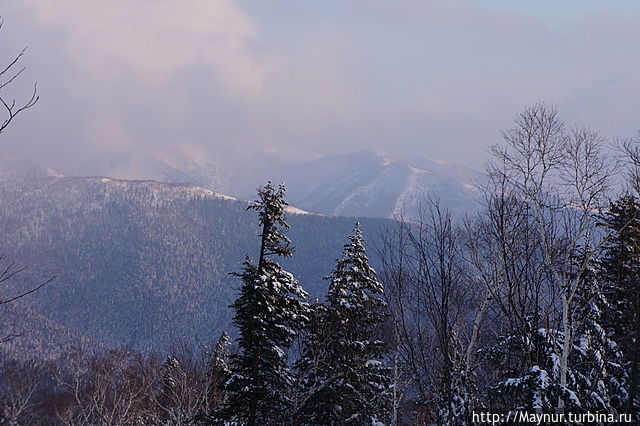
(8, 75)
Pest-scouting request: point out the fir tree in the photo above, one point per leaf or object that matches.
(171, 381)
(179, 395)
(220, 354)
(529, 361)
(268, 314)
(344, 380)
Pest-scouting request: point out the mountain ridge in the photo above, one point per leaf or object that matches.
(363, 183)
(144, 264)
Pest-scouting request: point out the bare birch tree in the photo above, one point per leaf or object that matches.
(564, 176)
(630, 150)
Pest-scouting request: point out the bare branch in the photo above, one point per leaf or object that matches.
(26, 293)
(8, 75)
(630, 150)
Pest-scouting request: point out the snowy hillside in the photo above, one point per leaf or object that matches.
(140, 264)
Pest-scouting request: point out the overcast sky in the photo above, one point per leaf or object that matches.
(434, 78)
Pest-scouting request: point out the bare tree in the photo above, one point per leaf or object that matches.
(9, 74)
(189, 386)
(119, 387)
(564, 177)
(430, 301)
(112, 389)
(501, 247)
(17, 396)
(8, 271)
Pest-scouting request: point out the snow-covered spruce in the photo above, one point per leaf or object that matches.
(269, 312)
(621, 287)
(343, 379)
(597, 361)
(529, 361)
(218, 372)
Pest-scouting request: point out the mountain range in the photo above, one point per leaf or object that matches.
(144, 264)
(138, 264)
(363, 183)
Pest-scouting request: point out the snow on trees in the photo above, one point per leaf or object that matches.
(343, 378)
(269, 313)
(621, 275)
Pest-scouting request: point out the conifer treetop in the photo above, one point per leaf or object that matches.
(271, 212)
(353, 275)
(269, 314)
(344, 380)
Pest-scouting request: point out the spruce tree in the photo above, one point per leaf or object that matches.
(344, 380)
(528, 361)
(596, 359)
(528, 366)
(621, 275)
(218, 372)
(220, 354)
(269, 312)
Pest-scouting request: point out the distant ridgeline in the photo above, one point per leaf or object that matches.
(140, 264)
(363, 183)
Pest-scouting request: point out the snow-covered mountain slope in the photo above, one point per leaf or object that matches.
(155, 192)
(142, 264)
(364, 183)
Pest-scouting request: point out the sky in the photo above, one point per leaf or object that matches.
(438, 78)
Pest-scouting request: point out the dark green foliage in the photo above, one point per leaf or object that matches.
(621, 272)
(218, 370)
(596, 359)
(271, 210)
(529, 361)
(621, 268)
(343, 377)
(268, 314)
(528, 365)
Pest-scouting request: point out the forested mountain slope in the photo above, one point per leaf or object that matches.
(144, 264)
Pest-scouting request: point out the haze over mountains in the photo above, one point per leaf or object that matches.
(363, 183)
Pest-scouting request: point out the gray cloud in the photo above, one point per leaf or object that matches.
(436, 78)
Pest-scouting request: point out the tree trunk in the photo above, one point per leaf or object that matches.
(566, 347)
